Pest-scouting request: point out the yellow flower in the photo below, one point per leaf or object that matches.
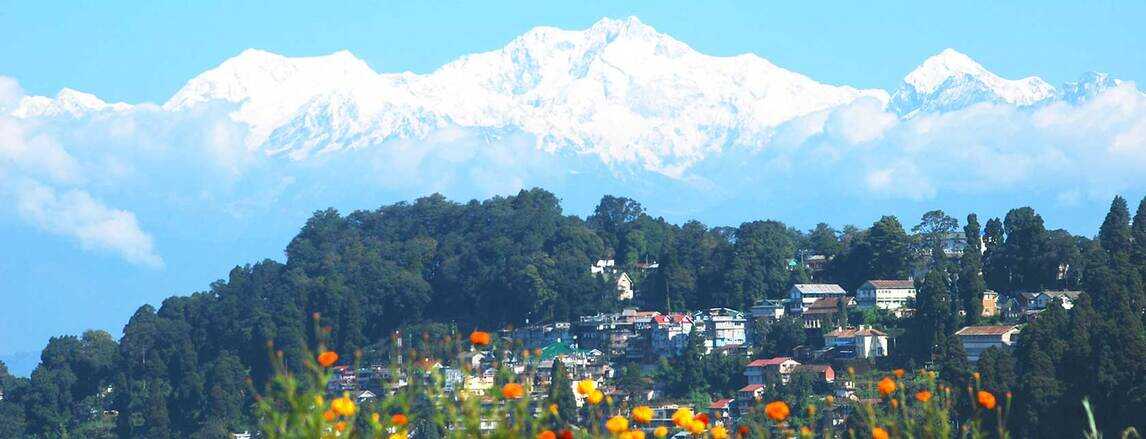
(636, 434)
(643, 414)
(553, 409)
(777, 411)
(805, 433)
(586, 386)
(617, 424)
(318, 401)
(976, 376)
(719, 432)
(878, 433)
(661, 432)
(399, 435)
(682, 417)
(830, 400)
(695, 426)
(596, 397)
(344, 406)
(375, 417)
(886, 386)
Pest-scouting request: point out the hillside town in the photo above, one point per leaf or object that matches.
(843, 341)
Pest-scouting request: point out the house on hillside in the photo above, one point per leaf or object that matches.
(747, 397)
(990, 301)
(603, 266)
(885, 294)
(1045, 298)
(624, 287)
(768, 309)
(670, 333)
(770, 370)
(976, 339)
(864, 341)
(825, 312)
(721, 409)
(822, 372)
(720, 327)
(801, 296)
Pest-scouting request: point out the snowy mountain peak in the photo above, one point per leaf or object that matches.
(951, 80)
(67, 102)
(1089, 85)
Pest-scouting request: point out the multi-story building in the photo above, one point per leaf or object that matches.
(768, 309)
(977, 339)
(885, 294)
(990, 300)
(770, 370)
(670, 333)
(864, 341)
(720, 327)
(801, 296)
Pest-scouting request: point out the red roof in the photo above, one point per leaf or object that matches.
(751, 387)
(853, 332)
(768, 362)
(986, 330)
(720, 404)
(662, 319)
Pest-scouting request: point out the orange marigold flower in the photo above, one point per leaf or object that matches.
(661, 432)
(547, 435)
(596, 397)
(878, 433)
(399, 419)
(886, 386)
(923, 395)
(830, 400)
(986, 399)
(899, 373)
(341, 426)
(642, 414)
(617, 424)
(811, 410)
(479, 338)
(586, 386)
(894, 403)
(329, 415)
(719, 432)
(682, 417)
(743, 430)
(777, 411)
(976, 376)
(512, 391)
(805, 432)
(636, 434)
(344, 406)
(375, 417)
(328, 358)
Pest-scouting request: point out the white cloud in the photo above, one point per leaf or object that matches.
(76, 214)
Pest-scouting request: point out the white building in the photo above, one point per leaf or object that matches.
(1044, 299)
(867, 342)
(977, 339)
(770, 310)
(624, 287)
(603, 266)
(720, 327)
(803, 295)
(670, 333)
(885, 294)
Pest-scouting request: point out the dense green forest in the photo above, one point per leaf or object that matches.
(183, 369)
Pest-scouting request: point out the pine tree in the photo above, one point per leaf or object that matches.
(1138, 238)
(561, 392)
(995, 264)
(1114, 235)
(970, 286)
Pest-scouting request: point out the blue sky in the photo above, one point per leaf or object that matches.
(144, 51)
(198, 221)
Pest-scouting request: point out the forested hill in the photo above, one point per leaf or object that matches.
(181, 370)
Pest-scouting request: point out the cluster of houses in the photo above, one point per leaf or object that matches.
(598, 346)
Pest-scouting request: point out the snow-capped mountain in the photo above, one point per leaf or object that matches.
(67, 102)
(618, 90)
(951, 80)
(1087, 86)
